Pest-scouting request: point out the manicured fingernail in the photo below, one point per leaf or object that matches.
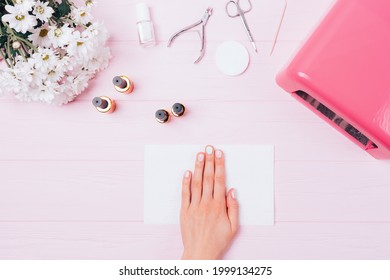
(218, 154)
(187, 174)
(201, 157)
(233, 193)
(209, 150)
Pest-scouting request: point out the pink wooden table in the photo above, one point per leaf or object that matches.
(72, 179)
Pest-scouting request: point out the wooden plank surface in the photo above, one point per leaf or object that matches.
(78, 132)
(305, 191)
(104, 240)
(72, 179)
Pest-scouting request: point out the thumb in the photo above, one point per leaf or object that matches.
(232, 206)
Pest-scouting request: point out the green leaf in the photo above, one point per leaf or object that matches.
(3, 35)
(62, 9)
(3, 39)
(14, 53)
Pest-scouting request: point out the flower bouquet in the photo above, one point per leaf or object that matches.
(50, 49)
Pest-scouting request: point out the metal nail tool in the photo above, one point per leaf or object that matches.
(239, 12)
(203, 23)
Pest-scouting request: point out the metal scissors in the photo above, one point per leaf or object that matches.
(202, 22)
(241, 13)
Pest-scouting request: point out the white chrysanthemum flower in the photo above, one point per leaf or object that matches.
(46, 92)
(91, 31)
(80, 47)
(20, 79)
(100, 60)
(23, 92)
(5, 79)
(18, 19)
(44, 59)
(63, 97)
(90, 3)
(82, 15)
(43, 11)
(55, 74)
(65, 63)
(79, 82)
(97, 31)
(37, 78)
(40, 37)
(60, 36)
(24, 5)
(23, 70)
(30, 72)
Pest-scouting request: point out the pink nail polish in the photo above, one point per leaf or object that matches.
(187, 174)
(218, 154)
(200, 157)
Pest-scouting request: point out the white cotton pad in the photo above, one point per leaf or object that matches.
(232, 58)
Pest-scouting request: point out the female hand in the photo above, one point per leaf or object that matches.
(209, 216)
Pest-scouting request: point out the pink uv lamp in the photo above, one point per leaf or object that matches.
(342, 73)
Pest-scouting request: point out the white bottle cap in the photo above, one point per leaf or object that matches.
(142, 12)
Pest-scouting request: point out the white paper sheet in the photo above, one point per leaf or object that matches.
(250, 170)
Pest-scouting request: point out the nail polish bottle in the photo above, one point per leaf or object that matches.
(145, 26)
(178, 110)
(104, 104)
(123, 84)
(162, 116)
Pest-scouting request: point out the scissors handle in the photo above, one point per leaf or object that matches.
(239, 10)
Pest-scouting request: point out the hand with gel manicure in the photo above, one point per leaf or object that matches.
(209, 216)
